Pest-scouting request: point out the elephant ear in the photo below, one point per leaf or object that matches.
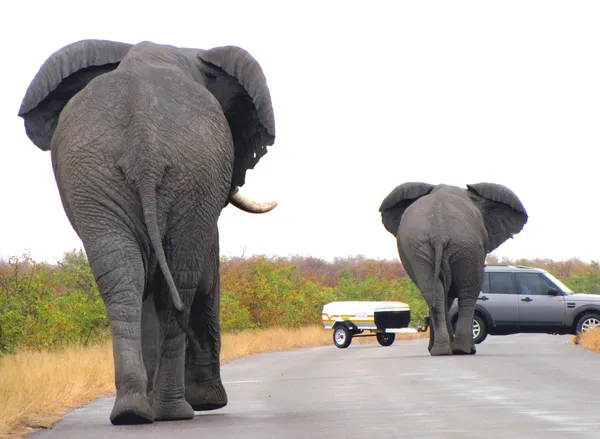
(64, 74)
(236, 79)
(502, 211)
(393, 206)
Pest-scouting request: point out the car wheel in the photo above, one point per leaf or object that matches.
(587, 322)
(479, 329)
(342, 337)
(385, 339)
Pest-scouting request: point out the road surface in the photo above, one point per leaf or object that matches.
(533, 386)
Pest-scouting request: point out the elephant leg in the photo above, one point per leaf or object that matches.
(468, 284)
(449, 303)
(431, 336)
(441, 338)
(169, 388)
(463, 342)
(203, 387)
(118, 268)
(150, 341)
(420, 271)
(434, 295)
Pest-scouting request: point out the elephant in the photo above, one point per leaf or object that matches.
(149, 143)
(443, 234)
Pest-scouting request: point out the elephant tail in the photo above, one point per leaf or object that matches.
(441, 269)
(147, 192)
(438, 250)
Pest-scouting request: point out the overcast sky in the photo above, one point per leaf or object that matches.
(367, 95)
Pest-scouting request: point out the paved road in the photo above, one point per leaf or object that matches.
(530, 386)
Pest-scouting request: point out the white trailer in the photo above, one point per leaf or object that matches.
(383, 320)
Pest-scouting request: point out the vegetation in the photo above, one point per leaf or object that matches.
(50, 312)
(49, 306)
(589, 339)
(46, 306)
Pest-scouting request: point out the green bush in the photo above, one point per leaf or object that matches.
(587, 282)
(234, 315)
(47, 306)
(272, 295)
(402, 290)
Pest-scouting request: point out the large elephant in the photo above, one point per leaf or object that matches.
(443, 234)
(149, 143)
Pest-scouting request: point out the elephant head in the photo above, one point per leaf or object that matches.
(230, 73)
(502, 211)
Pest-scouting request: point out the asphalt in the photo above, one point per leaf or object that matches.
(518, 386)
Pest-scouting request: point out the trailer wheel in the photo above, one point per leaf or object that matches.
(385, 338)
(342, 336)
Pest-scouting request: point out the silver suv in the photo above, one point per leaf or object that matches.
(525, 299)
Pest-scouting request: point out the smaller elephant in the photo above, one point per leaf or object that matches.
(444, 234)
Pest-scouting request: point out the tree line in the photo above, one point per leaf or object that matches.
(48, 306)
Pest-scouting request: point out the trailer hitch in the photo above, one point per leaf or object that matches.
(424, 328)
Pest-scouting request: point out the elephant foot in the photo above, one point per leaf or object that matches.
(172, 410)
(131, 410)
(440, 349)
(464, 350)
(207, 395)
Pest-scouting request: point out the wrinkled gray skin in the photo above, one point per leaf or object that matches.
(149, 143)
(443, 235)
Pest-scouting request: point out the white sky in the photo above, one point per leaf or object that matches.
(367, 95)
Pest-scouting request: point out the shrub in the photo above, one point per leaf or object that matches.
(47, 306)
(586, 282)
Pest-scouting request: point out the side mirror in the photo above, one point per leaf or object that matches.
(553, 292)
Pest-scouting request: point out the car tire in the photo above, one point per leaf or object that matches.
(342, 336)
(479, 329)
(587, 321)
(385, 338)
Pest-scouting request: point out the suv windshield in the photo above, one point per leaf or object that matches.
(562, 286)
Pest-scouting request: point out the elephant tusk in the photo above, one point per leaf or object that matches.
(250, 206)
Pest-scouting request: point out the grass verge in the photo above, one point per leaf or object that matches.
(38, 388)
(589, 340)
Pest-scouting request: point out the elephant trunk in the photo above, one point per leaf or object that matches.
(250, 206)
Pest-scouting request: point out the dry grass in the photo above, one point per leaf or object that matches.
(38, 388)
(589, 340)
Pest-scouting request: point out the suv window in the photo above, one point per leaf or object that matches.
(532, 284)
(485, 288)
(500, 283)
